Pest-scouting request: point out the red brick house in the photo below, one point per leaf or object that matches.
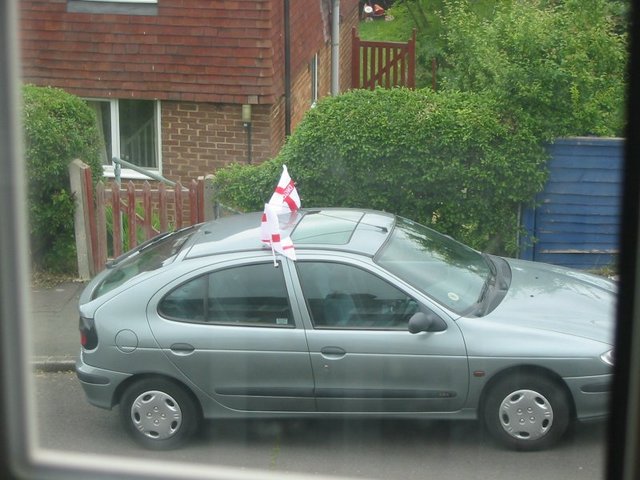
(171, 79)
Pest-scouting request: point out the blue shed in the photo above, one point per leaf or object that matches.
(576, 218)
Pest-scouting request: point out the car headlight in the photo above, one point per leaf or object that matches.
(607, 357)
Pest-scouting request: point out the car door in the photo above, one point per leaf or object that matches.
(232, 332)
(364, 359)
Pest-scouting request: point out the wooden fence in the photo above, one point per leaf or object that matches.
(116, 218)
(383, 64)
(576, 220)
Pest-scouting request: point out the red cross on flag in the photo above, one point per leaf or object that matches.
(285, 198)
(270, 233)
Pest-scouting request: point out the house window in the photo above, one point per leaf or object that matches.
(130, 130)
(124, 7)
(313, 69)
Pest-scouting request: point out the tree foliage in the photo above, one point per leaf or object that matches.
(58, 127)
(561, 62)
(558, 65)
(449, 160)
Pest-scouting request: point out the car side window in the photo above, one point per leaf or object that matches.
(254, 295)
(344, 296)
(186, 302)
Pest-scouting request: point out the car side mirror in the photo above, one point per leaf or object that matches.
(426, 322)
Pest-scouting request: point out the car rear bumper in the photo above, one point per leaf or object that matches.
(591, 396)
(99, 385)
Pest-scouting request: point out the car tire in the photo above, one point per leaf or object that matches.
(526, 412)
(159, 414)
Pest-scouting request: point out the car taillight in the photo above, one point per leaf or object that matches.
(88, 334)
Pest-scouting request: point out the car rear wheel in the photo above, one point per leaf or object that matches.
(526, 412)
(158, 413)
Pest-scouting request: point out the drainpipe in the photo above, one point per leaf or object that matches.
(287, 70)
(335, 48)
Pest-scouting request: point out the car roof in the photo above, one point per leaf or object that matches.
(344, 229)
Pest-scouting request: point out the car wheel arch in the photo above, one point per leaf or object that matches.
(123, 386)
(535, 370)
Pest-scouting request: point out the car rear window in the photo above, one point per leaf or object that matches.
(151, 255)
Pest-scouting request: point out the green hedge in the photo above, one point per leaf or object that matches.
(450, 160)
(58, 127)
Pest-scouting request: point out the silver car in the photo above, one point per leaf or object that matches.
(378, 316)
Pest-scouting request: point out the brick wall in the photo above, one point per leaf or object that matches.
(300, 96)
(277, 127)
(310, 29)
(301, 83)
(350, 20)
(199, 138)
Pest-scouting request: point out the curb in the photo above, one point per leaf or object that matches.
(54, 364)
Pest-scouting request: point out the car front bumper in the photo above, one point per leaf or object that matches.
(591, 396)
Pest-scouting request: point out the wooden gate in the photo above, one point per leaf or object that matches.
(383, 64)
(115, 218)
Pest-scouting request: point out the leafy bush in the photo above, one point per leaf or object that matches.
(449, 160)
(59, 127)
(560, 64)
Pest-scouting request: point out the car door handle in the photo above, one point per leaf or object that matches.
(182, 349)
(333, 352)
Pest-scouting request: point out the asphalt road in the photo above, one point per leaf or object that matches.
(354, 448)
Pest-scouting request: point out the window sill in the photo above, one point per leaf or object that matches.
(126, 173)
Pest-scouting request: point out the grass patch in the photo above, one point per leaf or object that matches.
(397, 27)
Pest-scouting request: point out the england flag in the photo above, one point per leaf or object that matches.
(271, 235)
(285, 198)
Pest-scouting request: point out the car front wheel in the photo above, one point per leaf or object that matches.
(526, 412)
(158, 413)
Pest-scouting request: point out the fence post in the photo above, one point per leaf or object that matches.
(81, 219)
(200, 198)
(101, 227)
(162, 206)
(148, 212)
(194, 208)
(132, 215)
(208, 194)
(178, 204)
(116, 220)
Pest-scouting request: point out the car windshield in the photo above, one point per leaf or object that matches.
(447, 271)
(155, 253)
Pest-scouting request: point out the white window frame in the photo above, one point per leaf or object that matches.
(126, 173)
